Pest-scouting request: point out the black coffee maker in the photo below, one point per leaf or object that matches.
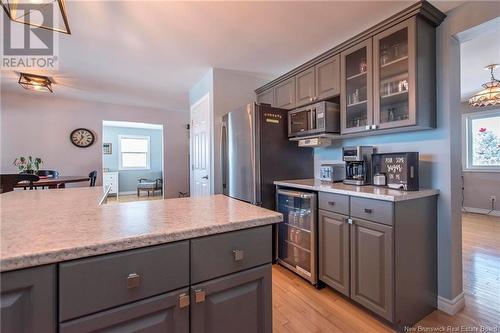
(358, 168)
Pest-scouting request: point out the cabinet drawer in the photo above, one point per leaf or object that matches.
(222, 254)
(98, 283)
(334, 202)
(373, 210)
(155, 315)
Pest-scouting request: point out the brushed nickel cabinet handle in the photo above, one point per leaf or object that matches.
(133, 280)
(238, 255)
(368, 210)
(199, 296)
(183, 300)
(350, 221)
(331, 203)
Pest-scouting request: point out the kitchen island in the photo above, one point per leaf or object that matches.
(71, 265)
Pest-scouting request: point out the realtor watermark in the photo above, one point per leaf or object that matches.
(26, 45)
(451, 328)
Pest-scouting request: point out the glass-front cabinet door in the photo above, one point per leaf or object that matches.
(394, 76)
(356, 88)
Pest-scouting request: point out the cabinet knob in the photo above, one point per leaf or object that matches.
(133, 280)
(374, 126)
(368, 210)
(183, 300)
(199, 296)
(238, 255)
(349, 221)
(367, 127)
(331, 203)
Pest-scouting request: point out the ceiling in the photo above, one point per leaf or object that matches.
(150, 53)
(477, 53)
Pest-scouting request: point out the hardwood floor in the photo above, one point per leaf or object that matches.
(299, 307)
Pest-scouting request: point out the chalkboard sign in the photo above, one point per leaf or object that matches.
(400, 169)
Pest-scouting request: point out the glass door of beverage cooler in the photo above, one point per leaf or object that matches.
(394, 76)
(297, 233)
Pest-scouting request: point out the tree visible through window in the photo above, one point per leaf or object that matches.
(134, 152)
(483, 138)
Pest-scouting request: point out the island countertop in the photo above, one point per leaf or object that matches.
(365, 191)
(43, 227)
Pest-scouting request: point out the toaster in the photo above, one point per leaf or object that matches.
(332, 172)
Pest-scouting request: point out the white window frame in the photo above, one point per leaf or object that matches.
(467, 141)
(148, 153)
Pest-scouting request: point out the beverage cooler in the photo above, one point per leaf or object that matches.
(296, 245)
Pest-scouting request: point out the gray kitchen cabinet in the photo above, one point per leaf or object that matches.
(305, 90)
(240, 302)
(404, 76)
(284, 94)
(356, 114)
(372, 266)
(327, 75)
(28, 300)
(334, 250)
(266, 97)
(167, 313)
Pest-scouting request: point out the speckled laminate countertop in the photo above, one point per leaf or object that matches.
(366, 191)
(48, 226)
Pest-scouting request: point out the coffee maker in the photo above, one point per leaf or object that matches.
(358, 168)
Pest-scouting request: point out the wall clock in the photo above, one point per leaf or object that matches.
(82, 137)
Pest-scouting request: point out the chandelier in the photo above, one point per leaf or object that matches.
(490, 95)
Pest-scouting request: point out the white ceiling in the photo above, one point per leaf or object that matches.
(149, 53)
(477, 53)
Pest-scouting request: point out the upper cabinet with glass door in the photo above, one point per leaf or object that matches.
(394, 76)
(402, 95)
(356, 88)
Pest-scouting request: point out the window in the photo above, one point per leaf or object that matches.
(482, 141)
(134, 152)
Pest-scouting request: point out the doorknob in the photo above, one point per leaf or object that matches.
(206, 177)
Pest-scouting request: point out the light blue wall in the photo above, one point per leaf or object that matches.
(128, 178)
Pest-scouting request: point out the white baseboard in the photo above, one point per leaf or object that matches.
(451, 307)
(480, 211)
(128, 192)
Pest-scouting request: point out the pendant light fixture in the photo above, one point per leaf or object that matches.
(490, 95)
(35, 82)
(54, 16)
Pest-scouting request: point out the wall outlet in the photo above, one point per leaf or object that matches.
(493, 198)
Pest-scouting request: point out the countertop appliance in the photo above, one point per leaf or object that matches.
(318, 118)
(358, 169)
(255, 151)
(379, 179)
(401, 169)
(332, 172)
(297, 234)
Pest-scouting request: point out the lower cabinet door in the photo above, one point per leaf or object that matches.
(237, 303)
(28, 300)
(334, 251)
(372, 266)
(167, 313)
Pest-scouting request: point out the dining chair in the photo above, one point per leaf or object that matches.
(9, 181)
(93, 178)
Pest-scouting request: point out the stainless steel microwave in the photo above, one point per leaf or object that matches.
(318, 118)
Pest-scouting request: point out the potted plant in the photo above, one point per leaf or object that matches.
(28, 165)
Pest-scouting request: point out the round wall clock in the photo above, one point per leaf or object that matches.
(82, 137)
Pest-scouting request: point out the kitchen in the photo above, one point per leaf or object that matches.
(354, 218)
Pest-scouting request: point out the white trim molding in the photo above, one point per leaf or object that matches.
(481, 211)
(451, 307)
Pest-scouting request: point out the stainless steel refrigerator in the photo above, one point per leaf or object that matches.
(255, 152)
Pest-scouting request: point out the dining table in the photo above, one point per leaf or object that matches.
(54, 182)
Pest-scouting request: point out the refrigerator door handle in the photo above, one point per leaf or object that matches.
(223, 149)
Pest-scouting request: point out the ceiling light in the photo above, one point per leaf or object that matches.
(35, 82)
(490, 95)
(20, 11)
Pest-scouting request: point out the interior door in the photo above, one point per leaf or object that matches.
(200, 182)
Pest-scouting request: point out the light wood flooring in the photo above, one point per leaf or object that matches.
(134, 197)
(299, 307)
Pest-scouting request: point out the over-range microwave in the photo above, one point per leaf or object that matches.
(318, 118)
